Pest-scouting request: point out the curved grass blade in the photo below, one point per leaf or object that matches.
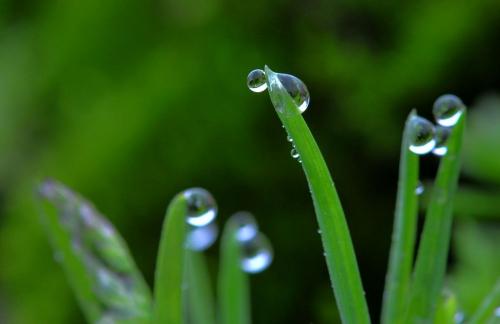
(430, 265)
(233, 289)
(200, 301)
(96, 260)
(168, 297)
(339, 251)
(403, 237)
(487, 308)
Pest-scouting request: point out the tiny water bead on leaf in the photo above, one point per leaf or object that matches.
(200, 238)
(202, 208)
(294, 153)
(256, 80)
(246, 226)
(448, 109)
(421, 134)
(256, 254)
(441, 136)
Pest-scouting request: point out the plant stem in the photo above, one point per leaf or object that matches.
(339, 250)
(200, 299)
(234, 290)
(170, 265)
(430, 265)
(403, 237)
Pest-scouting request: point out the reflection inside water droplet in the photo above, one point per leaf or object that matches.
(201, 207)
(441, 136)
(447, 110)
(200, 238)
(246, 226)
(256, 80)
(420, 188)
(421, 135)
(257, 254)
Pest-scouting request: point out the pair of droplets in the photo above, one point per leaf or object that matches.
(255, 249)
(424, 137)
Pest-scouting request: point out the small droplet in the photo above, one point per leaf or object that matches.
(448, 109)
(421, 132)
(245, 225)
(296, 89)
(200, 238)
(420, 188)
(294, 153)
(256, 80)
(319, 231)
(459, 317)
(497, 312)
(289, 138)
(441, 136)
(257, 254)
(201, 206)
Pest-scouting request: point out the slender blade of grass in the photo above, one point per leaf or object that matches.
(430, 265)
(200, 301)
(96, 260)
(403, 237)
(168, 297)
(233, 288)
(339, 250)
(487, 308)
(446, 309)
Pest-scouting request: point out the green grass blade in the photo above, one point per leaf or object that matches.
(168, 304)
(339, 251)
(430, 265)
(403, 237)
(487, 308)
(96, 260)
(233, 289)
(446, 309)
(200, 301)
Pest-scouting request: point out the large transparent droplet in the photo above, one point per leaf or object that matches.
(296, 89)
(421, 135)
(448, 109)
(200, 238)
(420, 188)
(201, 206)
(497, 312)
(459, 317)
(441, 136)
(256, 80)
(256, 254)
(245, 225)
(294, 153)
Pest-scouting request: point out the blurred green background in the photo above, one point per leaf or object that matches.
(132, 101)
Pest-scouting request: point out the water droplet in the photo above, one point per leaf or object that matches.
(319, 231)
(200, 238)
(289, 138)
(421, 132)
(441, 136)
(294, 153)
(459, 317)
(201, 206)
(420, 188)
(256, 80)
(497, 312)
(246, 226)
(448, 109)
(296, 89)
(257, 254)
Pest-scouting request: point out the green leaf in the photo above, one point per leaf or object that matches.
(430, 265)
(446, 309)
(95, 258)
(200, 302)
(403, 238)
(168, 305)
(339, 250)
(233, 290)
